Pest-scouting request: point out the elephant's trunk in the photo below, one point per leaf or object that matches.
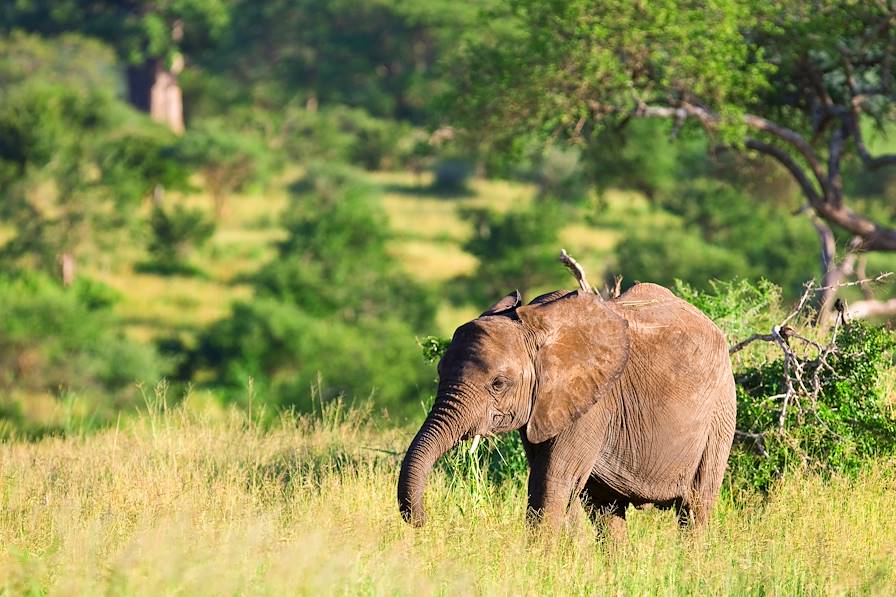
(442, 430)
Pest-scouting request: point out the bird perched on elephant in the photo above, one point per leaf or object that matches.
(626, 401)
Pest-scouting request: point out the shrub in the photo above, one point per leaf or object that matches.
(174, 234)
(560, 175)
(451, 176)
(517, 249)
(230, 160)
(844, 427)
(676, 253)
(352, 135)
(56, 340)
(333, 304)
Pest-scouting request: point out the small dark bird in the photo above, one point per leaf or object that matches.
(840, 306)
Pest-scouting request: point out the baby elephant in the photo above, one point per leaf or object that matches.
(619, 402)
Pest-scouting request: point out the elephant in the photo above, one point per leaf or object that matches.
(619, 402)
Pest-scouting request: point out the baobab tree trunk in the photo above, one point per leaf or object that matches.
(154, 89)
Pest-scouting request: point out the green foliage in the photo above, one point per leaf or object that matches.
(140, 159)
(230, 160)
(57, 340)
(451, 176)
(74, 160)
(433, 347)
(553, 67)
(643, 156)
(560, 174)
(719, 233)
(375, 54)
(738, 307)
(842, 429)
(849, 423)
(333, 304)
(67, 59)
(174, 234)
(517, 249)
(675, 252)
(344, 134)
(56, 196)
(147, 30)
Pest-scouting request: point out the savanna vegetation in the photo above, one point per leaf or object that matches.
(234, 237)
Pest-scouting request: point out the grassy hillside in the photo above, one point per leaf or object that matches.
(193, 503)
(429, 234)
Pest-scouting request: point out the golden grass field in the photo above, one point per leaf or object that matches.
(198, 501)
(201, 500)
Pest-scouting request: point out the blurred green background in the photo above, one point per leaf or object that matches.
(269, 201)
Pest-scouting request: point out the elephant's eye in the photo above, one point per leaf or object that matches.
(499, 384)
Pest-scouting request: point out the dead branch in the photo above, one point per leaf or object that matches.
(804, 359)
(576, 270)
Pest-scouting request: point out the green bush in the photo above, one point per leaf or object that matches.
(174, 234)
(451, 176)
(229, 159)
(57, 340)
(351, 135)
(711, 231)
(676, 253)
(560, 174)
(843, 428)
(334, 304)
(517, 249)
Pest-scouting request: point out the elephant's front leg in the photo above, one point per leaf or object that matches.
(558, 470)
(549, 499)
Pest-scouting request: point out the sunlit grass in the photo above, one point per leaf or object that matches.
(152, 305)
(177, 502)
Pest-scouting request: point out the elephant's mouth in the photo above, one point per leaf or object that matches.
(502, 421)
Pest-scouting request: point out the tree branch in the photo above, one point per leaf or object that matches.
(874, 236)
(711, 121)
(871, 308)
(790, 165)
(576, 270)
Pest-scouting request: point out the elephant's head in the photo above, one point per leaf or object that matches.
(539, 366)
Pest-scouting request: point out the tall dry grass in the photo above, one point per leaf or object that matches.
(177, 502)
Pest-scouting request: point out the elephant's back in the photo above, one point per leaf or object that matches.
(656, 315)
(677, 379)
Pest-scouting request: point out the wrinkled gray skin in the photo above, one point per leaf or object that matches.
(628, 401)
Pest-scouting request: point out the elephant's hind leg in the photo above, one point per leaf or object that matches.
(607, 510)
(696, 506)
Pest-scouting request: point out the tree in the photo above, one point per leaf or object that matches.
(333, 308)
(517, 249)
(73, 159)
(802, 84)
(230, 160)
(152, 37)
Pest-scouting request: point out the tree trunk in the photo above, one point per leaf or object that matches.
(154, 89)
(67, 268)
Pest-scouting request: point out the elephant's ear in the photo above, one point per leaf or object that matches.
(583, 349)
(513, 300)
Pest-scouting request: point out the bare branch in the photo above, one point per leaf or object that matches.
(874, 236)
(747, 341)
(871, 308)
(576, 270)
(809, 190)
(711, 121)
